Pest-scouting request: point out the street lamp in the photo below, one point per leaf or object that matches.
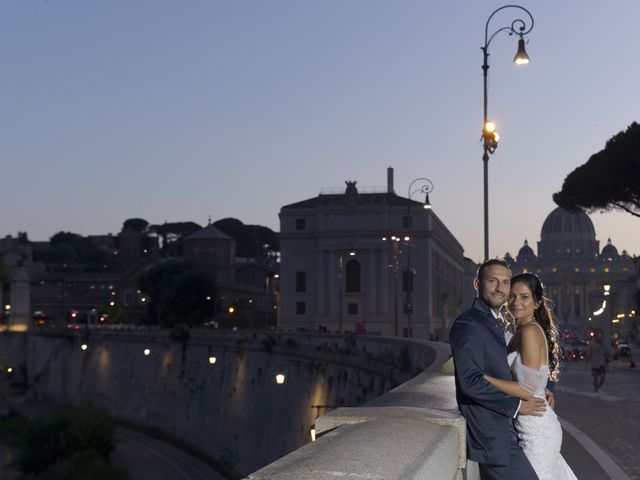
(425, 186)
(490, 136)
(395, 266)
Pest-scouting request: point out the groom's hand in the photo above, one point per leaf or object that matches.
(535, 407)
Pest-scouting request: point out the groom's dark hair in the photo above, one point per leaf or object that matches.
(489, 263)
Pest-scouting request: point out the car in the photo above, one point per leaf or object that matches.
(622, 351)
(40, 317)
(575, 350)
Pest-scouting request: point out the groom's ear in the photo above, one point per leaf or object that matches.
(476, 284)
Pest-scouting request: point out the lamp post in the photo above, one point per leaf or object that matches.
(426, 187)
(395, 266)
(490, 136)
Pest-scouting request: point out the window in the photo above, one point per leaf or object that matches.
(301, 224)
(352, 308)
(301, 282)
(301, 308)
(407, 281)
(353, 276)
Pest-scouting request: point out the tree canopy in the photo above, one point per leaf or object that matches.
(609, 180)
(71, 247)
(171, 235)
(252, 241)
(178, 292)
(136, 224)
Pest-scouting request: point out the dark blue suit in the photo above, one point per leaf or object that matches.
(478, 347)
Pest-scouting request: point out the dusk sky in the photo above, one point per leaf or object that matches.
(181, 110)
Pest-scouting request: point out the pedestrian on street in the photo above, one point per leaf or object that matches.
(598, 358)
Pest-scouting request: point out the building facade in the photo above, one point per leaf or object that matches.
(369, 259)
(590, 287)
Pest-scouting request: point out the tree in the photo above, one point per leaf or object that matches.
(609, 180)
(171, 235)
(136, 224)
(178, 292)
(62, 434)
(252, 241)
(71, 248)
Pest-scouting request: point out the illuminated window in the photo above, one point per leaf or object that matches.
(554, 269)
(576, 269)
(606, 269)
(592, 269)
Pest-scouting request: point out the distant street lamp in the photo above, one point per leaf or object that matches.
(394, 244)
(426, 187)
(490, 136)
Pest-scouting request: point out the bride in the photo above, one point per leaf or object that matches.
(535, 359)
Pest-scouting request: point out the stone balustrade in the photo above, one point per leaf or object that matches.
(411, 432)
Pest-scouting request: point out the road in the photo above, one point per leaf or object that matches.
(145, 458)
(148, 459)
(611, 420)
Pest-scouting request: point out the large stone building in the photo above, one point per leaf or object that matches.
(576, 273)
(372, 259)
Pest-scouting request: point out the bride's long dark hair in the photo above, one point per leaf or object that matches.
(544, 316)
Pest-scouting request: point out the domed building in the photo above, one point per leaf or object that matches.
(575, 271)
(567, 235)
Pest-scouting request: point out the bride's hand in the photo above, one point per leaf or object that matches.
(551, 400)
(535, 407)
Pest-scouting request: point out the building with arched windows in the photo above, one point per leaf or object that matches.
(576, 274)
(370, 257)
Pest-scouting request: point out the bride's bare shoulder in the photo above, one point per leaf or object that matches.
(531, 333)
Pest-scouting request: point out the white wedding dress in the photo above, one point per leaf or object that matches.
(540, 437)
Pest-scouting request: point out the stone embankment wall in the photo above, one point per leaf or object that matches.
(413, 432)
(232, 410)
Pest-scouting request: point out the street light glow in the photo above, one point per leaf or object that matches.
(521, 57)
(601, 310)
(280, 378)
(84, 346)
(489, 126)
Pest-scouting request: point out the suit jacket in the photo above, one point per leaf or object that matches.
(478, 347)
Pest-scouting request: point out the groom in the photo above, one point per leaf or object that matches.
(478, 347)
